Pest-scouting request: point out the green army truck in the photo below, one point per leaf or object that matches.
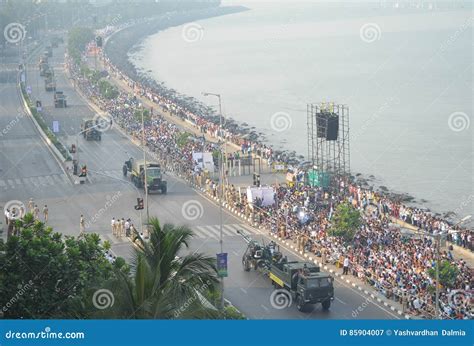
(43, 68)
(154, 177)
(49, 82)
(304, 283)
(60, 100)
(90, 131)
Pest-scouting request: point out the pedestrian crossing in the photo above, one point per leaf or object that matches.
(106, 176)
(208, 232)
(37, 182)
(228, 230)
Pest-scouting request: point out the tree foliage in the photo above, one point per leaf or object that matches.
(447, 273)
(46, 275)
(77, 40)
(108, 90)
(346, 222)
(165, 284)
(145, 112)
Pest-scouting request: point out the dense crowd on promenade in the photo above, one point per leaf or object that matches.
(381, 255)
(394, 263)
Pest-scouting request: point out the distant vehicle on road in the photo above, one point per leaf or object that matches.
(49, 51)
(89, 130)
(154, 177)
(50, 84)
(60, 100)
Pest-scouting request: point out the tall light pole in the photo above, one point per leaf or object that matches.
(438, 245)
(221, 182)
(145, 183)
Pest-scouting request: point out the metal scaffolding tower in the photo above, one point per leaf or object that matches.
(328, 138)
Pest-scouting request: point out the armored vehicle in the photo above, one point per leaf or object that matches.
(89, 130)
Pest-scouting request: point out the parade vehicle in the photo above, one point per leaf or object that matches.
(89, 130)
(154, 176)
(303, 281)
(49, 83)
(60, 100)
(43, 68)
(257, 256)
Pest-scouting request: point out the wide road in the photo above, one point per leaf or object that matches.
(108, 195)
(27, 167)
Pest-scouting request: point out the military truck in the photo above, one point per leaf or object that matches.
(50, 84)
(60, 100)
(89, 130)
(43, 68)
(154, 177)
(304, 282)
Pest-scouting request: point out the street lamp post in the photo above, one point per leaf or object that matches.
(221, 182)
(145, 183)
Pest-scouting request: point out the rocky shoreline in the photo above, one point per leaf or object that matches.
(130, 41)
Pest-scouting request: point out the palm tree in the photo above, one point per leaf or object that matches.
(164, 285)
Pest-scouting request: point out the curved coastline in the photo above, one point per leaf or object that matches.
(129, 40)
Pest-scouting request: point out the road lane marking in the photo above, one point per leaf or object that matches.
(340, 301)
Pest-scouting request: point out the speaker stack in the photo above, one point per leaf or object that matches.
(327, 126)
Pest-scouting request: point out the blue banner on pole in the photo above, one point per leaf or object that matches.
(55, 126)
(222, 264)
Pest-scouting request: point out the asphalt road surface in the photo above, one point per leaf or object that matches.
(27, 169)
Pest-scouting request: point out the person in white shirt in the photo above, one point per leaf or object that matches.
(7, 216)
(112, 224)
(127, 228)
(345, 269)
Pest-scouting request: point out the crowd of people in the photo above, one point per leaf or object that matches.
(397, 264)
